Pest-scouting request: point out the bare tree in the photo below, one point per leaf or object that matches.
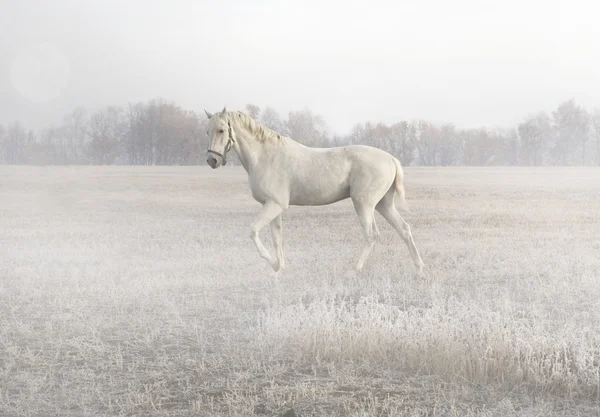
(134, 143)
(40, 151)
(572, 127)
(270, 118)
(163, 133)
(427, 142)
(108, 129)
(3, 145)
(402, 144)
(450, 145)
(75, 136)
(307, 128)
(480, 147)
(339, 140)
(158, 132)
(192, 139)
(15, 142)
(395, 139)
(381, 136)
(253, 111)
(536, 134)
(47, 152)
(508, 146)
(360, 133)
(595, 119)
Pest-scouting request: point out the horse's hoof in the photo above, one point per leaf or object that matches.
(278, 267)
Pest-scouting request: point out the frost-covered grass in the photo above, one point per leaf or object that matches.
(137, 291)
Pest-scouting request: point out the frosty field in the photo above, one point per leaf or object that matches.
(137, 291)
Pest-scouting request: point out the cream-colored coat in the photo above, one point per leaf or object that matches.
(283, 172)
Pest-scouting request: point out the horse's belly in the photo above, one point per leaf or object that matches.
(318, 191)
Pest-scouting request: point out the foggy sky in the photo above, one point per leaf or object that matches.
(470, 62)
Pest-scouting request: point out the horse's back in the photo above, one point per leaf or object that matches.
(326, 175)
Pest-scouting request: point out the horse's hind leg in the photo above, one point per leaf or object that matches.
(269, 211)
(366, 215)
(387, 209)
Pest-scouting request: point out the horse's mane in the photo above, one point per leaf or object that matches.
(260, 131)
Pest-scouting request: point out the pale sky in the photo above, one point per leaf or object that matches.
(470, 62)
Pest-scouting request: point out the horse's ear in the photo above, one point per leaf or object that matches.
(209, 115)
(224, 111)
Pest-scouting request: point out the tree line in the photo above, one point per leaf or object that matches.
(161, 133)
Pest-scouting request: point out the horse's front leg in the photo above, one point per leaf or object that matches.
(270, 211)
(276, 234)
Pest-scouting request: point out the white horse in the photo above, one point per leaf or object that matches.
(283, 172)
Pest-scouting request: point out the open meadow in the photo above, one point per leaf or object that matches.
(137, 291)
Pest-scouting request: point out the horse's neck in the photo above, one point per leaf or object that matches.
(248, 149)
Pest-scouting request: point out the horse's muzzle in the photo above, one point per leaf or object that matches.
(213, 162)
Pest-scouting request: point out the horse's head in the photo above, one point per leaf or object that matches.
(220, 137)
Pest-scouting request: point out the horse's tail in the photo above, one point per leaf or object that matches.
(399, 184)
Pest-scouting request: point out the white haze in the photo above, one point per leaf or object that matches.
(469, 62)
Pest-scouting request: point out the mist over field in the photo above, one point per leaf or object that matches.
(137, 291)
(130, 280)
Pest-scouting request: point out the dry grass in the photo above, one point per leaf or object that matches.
(137, 291)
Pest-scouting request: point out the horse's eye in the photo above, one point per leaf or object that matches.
(221, 131)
